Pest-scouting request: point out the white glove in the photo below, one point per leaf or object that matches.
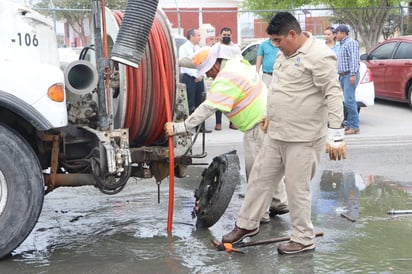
(335, 146)
(174, 128)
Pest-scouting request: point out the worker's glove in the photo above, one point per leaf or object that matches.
(174, 128)
(187, 62)
(335, 146)
(264, 123)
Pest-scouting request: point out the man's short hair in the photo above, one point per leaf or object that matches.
(282, 23)
(190, 32)
(225, 29)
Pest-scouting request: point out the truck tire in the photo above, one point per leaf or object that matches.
(216, 189)
(21, 190)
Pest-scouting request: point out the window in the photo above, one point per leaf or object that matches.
(404, 51)
(250, 54)
(383, 52)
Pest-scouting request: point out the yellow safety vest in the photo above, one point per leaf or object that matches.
(238, 92)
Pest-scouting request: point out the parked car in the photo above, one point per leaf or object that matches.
(391, 65)
(179, 40)
(365, 92)
(250, 52)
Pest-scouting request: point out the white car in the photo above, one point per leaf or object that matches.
(365, 91)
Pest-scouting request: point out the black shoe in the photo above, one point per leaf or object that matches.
(238, 234)
(278, 211)
(232, 126)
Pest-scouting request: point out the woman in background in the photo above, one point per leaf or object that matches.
(330, 39)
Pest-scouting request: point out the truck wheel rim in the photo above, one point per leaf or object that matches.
(3, 192)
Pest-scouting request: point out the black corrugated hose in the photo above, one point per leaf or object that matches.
(134, 31)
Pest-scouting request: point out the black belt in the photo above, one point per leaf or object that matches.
(189, 76)
(343, 73)
(270, 73)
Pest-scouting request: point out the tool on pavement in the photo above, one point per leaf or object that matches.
(225, 247)
(405, 211)
(228, 247)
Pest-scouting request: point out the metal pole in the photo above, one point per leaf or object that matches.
(53, 8)
(101, 65)
(401, 24)
(178, 19)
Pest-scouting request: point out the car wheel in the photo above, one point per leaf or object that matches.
(21, 190)
(410, 95)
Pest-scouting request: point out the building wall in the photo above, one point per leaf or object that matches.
(315, 25)
(187, 18)
(259, 28)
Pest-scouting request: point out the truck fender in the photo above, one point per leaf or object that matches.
(24, 110)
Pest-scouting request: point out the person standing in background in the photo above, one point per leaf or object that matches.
(348, 70)
(330, 39)
(266, 57)
(226, 39)
(195, 86)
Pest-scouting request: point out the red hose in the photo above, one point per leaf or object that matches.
(145, 106)
(163, 62)
(150, 90)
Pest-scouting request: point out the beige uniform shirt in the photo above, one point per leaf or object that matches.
(305, 95)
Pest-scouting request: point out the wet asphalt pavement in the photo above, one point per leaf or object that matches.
(82, 230)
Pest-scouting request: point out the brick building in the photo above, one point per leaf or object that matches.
(209, 16)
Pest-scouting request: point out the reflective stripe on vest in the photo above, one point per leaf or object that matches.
(243, 85)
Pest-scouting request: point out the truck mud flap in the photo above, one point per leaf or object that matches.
(216, 189)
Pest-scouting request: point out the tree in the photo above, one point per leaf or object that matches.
(366, 17)
(75, 13)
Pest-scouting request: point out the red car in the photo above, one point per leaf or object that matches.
(391, 65)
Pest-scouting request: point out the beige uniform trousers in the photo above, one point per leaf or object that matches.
(252, 143)
(267, 78)
(298, 161)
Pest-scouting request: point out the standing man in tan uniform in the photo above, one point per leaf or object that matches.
(304, 99)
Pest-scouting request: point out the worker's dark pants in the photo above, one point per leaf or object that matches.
(194, 91)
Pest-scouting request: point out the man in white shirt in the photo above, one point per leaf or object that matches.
(195, 86)
(192, 79)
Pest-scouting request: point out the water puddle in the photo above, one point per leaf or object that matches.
(84, 231)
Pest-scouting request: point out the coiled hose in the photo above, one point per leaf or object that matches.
(150, 90)
(146, 85)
